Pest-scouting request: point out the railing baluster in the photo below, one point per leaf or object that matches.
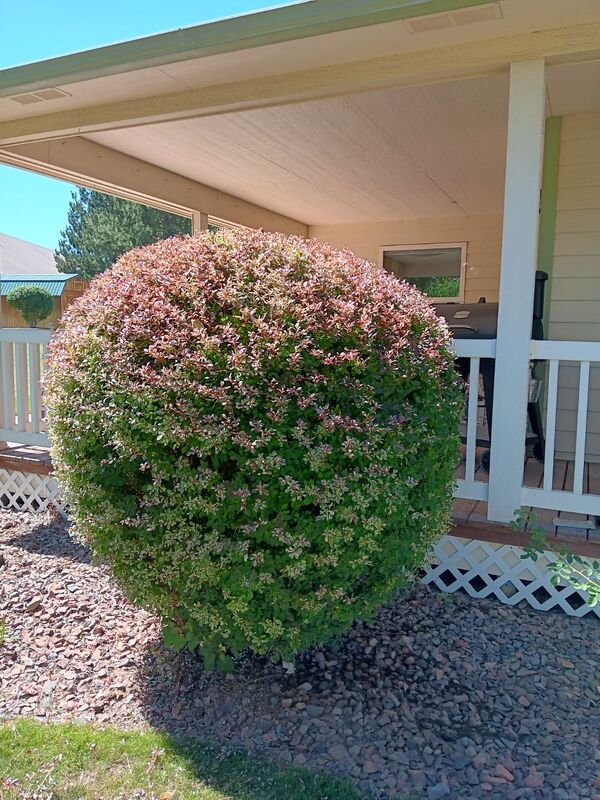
(468, 487)
(8, 414)
(21, 370)
(22, 386)
(581, 430)
(472, 419)
(35, 393)
(8, 386)
(551, 424)
(43, 353)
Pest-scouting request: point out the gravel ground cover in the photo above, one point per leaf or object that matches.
(441, 696)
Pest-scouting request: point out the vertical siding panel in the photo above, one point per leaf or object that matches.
(574, 309)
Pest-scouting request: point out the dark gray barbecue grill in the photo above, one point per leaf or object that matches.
(480, 321)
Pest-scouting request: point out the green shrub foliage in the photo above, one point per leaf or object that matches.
(257, 432)
(34, 303)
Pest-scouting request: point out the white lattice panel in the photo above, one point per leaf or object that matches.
(487, 568)
(26, 491)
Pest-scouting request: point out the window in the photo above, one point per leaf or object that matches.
(438, 270)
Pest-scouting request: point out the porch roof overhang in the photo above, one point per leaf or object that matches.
(283, 134)
(297, 19)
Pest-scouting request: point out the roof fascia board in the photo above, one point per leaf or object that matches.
(301, 20)
(55, 277)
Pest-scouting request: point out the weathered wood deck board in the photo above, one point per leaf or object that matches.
(471, 512)
(544, 517)
(26, 458)
(533, 475)
(593, 478)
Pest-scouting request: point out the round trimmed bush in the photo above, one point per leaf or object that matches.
(257, 432)
(34, 303)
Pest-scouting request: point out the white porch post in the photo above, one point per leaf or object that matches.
(517, 279)
(199, 222)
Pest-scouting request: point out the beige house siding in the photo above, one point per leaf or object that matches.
(575, 295)
(481, 233)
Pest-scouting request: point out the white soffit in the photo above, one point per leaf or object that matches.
(487, 12)
(425, 151)
(142, 83)
(502, 18)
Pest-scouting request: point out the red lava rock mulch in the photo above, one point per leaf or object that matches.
(443, 696)
(73, 645)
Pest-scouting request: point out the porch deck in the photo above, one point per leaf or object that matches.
(563, 525)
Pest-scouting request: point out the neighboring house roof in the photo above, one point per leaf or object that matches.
(18, 257)
(55, 284)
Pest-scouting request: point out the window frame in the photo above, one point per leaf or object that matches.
(462, 246)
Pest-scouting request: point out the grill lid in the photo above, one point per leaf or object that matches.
(470, 320)
(480, 320)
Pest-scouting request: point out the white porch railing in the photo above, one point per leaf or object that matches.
(473, 349)
(22, 417)
(575, 500)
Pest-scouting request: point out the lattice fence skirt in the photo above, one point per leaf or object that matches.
(26, 491)
(485, 569)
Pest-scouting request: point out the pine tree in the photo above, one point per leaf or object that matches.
(100, 228)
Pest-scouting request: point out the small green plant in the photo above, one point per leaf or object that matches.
(566, 567)
(2, 631)
(34, 303)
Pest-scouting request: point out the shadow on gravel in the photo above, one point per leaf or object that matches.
(241, 776)
(247, 716)
(52, 539)
(435, 693)
(342, 711)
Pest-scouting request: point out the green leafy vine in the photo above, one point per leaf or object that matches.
(565, 567)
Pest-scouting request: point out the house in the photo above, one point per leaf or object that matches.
(462, 132)
(63, 287)
(18, 257)
(25, 263)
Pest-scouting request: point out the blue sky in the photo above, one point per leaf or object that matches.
(33, 207)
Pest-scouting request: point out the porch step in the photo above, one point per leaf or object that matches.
(26, 458)
(580, 524)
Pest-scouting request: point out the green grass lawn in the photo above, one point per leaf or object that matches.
(79, 762)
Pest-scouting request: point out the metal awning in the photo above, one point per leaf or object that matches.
(55, 284)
